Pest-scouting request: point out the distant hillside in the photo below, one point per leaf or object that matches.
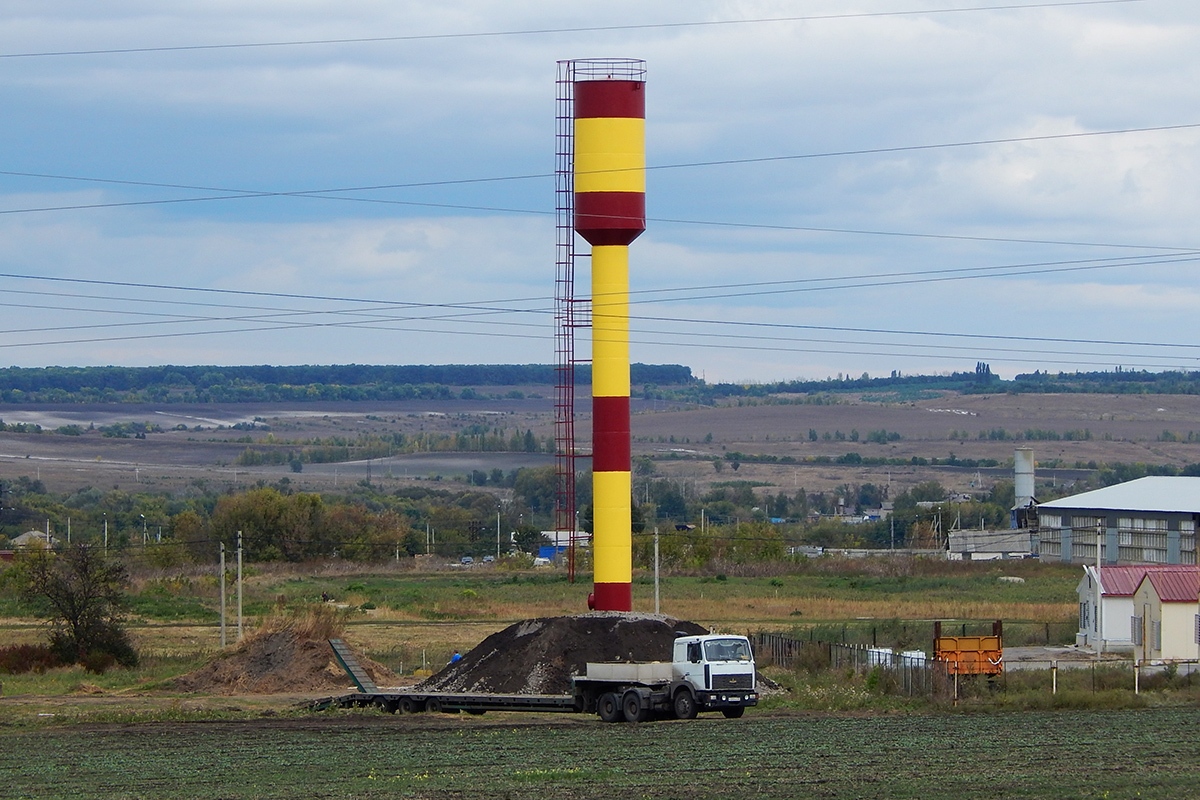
(213, 384)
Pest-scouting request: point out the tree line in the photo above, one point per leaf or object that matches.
(235, 384)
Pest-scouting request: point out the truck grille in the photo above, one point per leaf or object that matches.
(723, 682)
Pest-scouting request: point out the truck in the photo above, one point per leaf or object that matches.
(713, 672)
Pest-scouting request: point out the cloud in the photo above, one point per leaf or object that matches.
(344, 115)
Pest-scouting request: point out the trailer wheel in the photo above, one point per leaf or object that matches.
(386, 706)
(433, 705)
(685, 705)
(609, 708)
(410, 706)
(733, 713)
(631, 704)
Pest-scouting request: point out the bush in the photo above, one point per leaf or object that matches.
(98, 662)
(21, 658)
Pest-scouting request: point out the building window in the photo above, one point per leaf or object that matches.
(1084, 621)
(1135, 631)
(1156, 635)
(1143, 540)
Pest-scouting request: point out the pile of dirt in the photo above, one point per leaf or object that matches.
(275, 662)
(538, 656)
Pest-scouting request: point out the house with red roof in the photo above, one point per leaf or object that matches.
(1106, 603)
(1166, 616)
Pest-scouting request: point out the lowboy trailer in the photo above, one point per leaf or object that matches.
(707, 673)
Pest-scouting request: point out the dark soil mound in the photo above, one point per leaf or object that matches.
(538, 656)
(277, 662)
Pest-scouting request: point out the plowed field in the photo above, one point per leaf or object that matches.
(1152, 753)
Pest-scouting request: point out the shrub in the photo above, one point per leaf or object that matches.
(17, 659)
(98, 662)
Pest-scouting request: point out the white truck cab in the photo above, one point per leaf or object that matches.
(719, 668)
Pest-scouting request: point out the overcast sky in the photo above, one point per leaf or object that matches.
(833, 262)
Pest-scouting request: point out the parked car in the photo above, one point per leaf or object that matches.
(488, 559)
(466, 561)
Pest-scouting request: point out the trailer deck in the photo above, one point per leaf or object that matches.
(410, 702)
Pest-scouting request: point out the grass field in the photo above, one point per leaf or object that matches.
(405, 618)
(1107, 754)
(123, 734)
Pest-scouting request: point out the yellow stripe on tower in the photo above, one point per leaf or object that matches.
(612, 546)
(610, 154)
(610, 321)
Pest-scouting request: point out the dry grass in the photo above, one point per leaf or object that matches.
(751, 610)
(315, 622)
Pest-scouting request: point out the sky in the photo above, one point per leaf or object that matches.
(904, 185)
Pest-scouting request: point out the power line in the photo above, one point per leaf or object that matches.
(334, 193)
(548, 31)
(379, 318)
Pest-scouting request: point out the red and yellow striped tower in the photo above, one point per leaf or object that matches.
(610, 212)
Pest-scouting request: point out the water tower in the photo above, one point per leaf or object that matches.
(608, 133)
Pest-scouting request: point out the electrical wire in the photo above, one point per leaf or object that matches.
(586, 29)
(335, 193)
(378, 320)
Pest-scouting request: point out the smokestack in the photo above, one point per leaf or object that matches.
(1023, 476)
(610, 212)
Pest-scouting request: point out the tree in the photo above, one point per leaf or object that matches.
(83, 593)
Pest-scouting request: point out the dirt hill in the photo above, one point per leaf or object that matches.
(538, 656)
(277, 662)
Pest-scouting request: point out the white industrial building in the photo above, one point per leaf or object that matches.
(1145, 521)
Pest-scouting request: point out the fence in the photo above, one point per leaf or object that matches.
(912, 670)
(916, 634)
(913, 673)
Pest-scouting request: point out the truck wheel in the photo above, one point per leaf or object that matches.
(433, 705)
(410, 706)
(609, 708)
(733, 713)
(631, 704)
(685, 705)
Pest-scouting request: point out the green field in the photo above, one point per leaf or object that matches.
(1151, 753)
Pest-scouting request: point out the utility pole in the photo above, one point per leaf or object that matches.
(498, 533)
(222, 594)
(655, 569)
(1099, 593)
(106, 534)
(239, 584)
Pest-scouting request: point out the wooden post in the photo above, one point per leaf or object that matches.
(222, 578)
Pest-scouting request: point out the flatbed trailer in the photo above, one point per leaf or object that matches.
(407, 702)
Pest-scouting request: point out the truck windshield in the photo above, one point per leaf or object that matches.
(726, 650)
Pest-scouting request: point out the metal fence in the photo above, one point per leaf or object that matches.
(914, 673)
(910, 673)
